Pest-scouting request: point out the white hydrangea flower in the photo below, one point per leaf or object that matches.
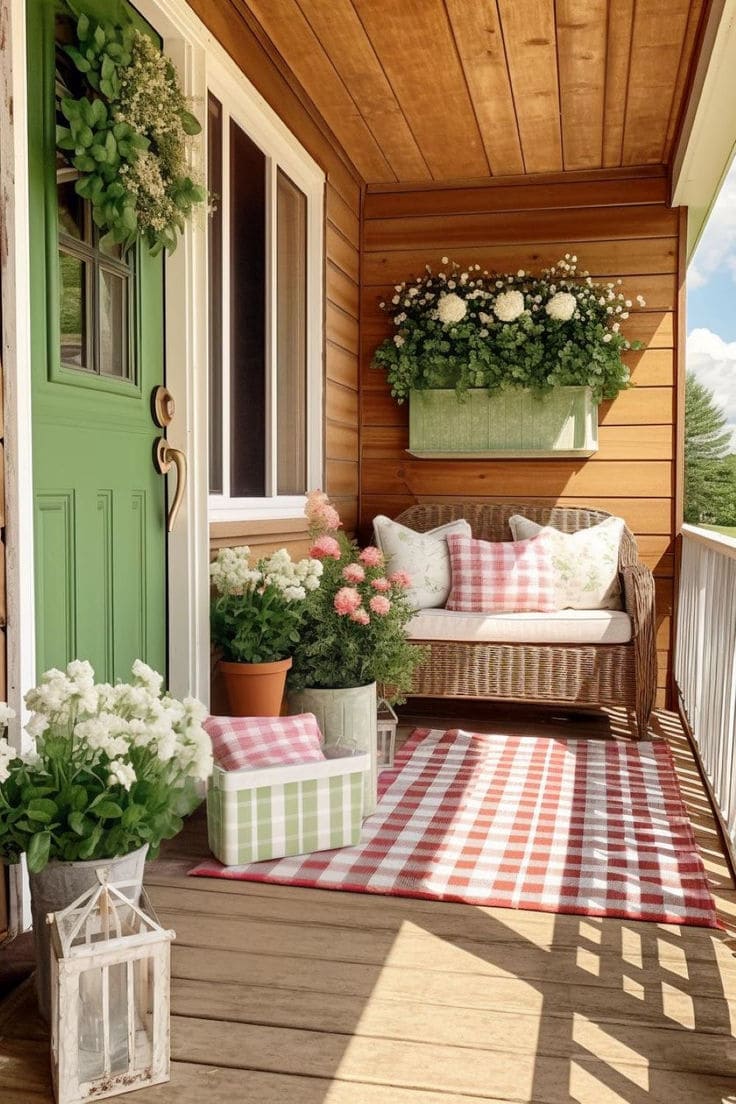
(121, 774)
(148, 678)
(37, 725)
(451, 308)
(398, 340)
(508, 306)
(7, 755)
(6, 714)
(562, 306)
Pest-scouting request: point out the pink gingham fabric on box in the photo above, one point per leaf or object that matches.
(264, 741)
(501, 576)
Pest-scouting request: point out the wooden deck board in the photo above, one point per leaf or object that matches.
(285, 995)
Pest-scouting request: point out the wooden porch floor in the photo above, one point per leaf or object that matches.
(298, 996)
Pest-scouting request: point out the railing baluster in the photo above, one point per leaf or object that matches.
(705, 657)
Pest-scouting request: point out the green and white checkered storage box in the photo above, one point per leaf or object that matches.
(259, 813)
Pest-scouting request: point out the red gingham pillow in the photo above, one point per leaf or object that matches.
(501, 576)
(264, 741)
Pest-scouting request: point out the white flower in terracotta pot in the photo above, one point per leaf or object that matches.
(451, 308)
(562, 306)
(508, 306)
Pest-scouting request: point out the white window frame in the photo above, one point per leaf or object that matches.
(281, 150)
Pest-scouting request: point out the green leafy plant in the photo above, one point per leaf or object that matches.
(113, 768)
(354, 626)
(467, 328)
(257, 610)
(128, 136)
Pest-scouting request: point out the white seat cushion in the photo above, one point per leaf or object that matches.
(561, 627)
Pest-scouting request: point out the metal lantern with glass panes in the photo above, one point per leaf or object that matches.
(110, 978)
(387, 724)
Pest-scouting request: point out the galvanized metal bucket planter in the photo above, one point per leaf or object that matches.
(515, 423)
(348, 720)
(56, 886)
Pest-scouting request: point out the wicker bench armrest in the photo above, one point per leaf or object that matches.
(639, 602)
(638, 588)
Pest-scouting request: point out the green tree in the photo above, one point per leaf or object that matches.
(710, 474)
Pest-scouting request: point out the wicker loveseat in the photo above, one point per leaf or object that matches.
(580, 675)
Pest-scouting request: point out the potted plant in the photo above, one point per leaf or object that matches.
(255, 618)
(113, 771)
(352, 637)
(505, 364)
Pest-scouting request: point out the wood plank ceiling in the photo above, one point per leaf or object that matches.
(440, 90)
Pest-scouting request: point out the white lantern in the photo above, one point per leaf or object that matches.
(387, 725)
(110, 978)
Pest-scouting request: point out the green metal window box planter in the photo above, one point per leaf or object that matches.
(515, 423)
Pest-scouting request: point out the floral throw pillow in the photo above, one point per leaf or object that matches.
(501, 576)
(264, 741)
(585, 563)
(423, 556)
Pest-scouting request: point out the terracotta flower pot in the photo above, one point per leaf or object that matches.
(255, 689)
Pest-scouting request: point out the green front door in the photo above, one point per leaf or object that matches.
(97, 354)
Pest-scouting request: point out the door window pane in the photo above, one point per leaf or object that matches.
(73, 310)
(214, 245)
(71, 207)
(113, 325)
(247, 316)
(96, 278)
(291, 342)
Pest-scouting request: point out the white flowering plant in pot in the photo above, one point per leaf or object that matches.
(257, 608)
(113, 768)
(470, 328)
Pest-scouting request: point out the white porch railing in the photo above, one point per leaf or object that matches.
(705, 657)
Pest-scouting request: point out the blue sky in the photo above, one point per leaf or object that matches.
(711, 302)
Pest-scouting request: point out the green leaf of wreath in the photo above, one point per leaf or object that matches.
(190, 123)
(99, 112)
(78, 58)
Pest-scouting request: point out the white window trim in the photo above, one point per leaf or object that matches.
(241, 103)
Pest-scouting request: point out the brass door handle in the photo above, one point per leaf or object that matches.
(164, 458)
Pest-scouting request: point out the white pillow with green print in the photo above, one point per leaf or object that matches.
(423, 556)
(585, 562)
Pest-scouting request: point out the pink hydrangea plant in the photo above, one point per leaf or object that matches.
(400, 579)
(371, 556)
(347, 600)
(325, 547)
(380, 605)
(381, 583)
(321, 515)
(360, 616)
(353, 573)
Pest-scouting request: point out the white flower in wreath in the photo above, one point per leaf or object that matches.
(562, 306)
(451, 308)
(508, 306)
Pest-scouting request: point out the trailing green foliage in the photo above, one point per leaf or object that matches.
(127, 136)
(475, 329)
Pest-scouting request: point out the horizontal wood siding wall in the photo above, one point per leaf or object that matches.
(620, 228)
(231, 23)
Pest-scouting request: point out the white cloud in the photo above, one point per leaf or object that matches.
(713, 361)
(716, 252)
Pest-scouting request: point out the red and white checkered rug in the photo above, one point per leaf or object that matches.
(579, 826)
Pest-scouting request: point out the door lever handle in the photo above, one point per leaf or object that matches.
(165, 457)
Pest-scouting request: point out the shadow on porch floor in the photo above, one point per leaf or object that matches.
(285, 995)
